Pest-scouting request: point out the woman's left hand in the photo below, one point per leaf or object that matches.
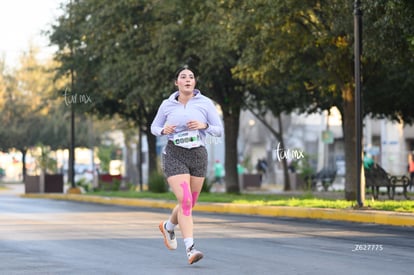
(196, 125)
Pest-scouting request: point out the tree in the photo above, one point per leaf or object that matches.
(262, 50)
(30, 115)
(120, 47)
(388, 66)
(18, 118)
(276, 102)
(201, 40)
(309, 45)
(111, 59)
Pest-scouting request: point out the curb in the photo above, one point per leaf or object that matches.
(348, 215)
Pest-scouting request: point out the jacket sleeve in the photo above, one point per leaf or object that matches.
(158, 123)
(215, 126)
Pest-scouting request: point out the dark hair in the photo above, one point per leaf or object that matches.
(185, 67)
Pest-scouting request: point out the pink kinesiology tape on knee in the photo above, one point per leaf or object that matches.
(187, 199)
(195, 198)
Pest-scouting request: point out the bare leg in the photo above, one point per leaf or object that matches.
(181, 189)
(196, 184)
(174, 215)
(186, 189)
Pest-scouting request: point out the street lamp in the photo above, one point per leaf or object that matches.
(358, 120)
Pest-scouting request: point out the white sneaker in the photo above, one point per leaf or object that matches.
(194, 255)
(169, 237)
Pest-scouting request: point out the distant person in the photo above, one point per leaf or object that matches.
(218, 173)
(368, 161)
(240, 169)
(411, 169)
(261, 166)
(292, 167)
(2, 172)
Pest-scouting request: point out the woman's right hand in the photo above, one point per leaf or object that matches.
(168, 129)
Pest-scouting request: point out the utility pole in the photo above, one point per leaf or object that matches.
(358, 119)
(72, 111)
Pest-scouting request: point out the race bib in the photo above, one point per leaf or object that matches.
(188, 139)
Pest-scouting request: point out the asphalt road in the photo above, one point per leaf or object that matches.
(40, 236)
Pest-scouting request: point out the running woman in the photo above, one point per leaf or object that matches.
(185, 118)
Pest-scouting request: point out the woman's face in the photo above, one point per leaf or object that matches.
(185, 81)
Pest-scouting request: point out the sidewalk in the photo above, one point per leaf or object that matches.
(11, 188)
(348, 215)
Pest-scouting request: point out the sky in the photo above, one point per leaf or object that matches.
(21, 22)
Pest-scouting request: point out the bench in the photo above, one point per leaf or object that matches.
(376, 177)
(326, 176)
(399, 181)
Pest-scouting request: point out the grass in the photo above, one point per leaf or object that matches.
(302, 200)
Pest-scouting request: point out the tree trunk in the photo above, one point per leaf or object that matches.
(152, 152)
(139, 160)
(42, 180)
(24, 171)
(131, 170)
(286, 186)
(279, 136)
(231, 129)
(348, 120)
